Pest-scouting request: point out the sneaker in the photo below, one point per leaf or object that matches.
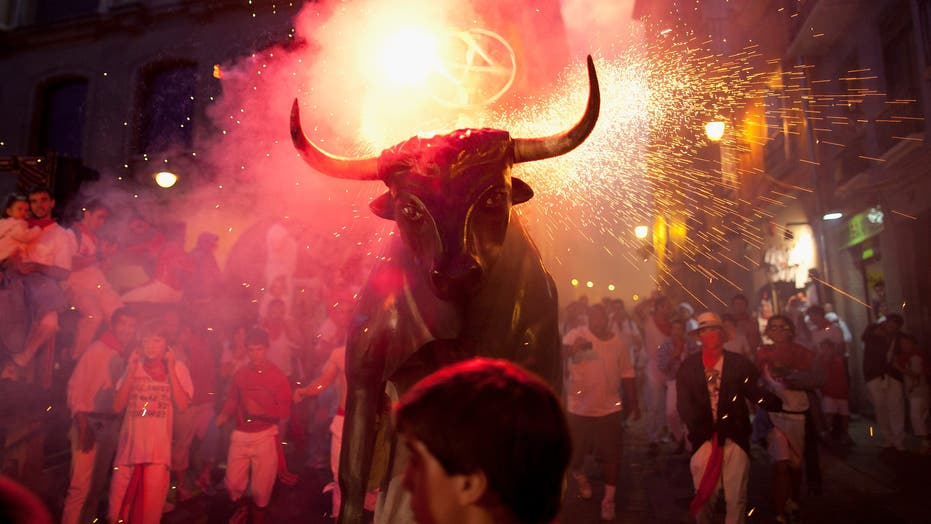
(584, 486)
(607, 510)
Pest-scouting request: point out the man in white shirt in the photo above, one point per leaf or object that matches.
(96, 425)
(46, 264)
(824, 329)
(599, 363)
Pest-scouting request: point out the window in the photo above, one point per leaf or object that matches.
(61, 117)
(167, 108)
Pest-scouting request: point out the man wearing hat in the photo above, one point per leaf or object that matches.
(259, 397)
(713, 387)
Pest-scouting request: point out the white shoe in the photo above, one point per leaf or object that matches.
(607, 510)
(585, 487)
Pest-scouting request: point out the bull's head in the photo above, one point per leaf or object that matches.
(451, 195)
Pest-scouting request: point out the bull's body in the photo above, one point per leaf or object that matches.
(462, 279)
(401, 332)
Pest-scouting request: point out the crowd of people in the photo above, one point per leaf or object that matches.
(165, 390)
(711, 384)
(164, 386)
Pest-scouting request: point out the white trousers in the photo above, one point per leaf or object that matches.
(735, 472)
(253, 457)
(655, 402)
(155, 480)
(889, 403)
(90, 471)
(672, 412)
(918, 409)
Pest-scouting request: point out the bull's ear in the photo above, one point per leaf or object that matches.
(520, 191)
(383, 206)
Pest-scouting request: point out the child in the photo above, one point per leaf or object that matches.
(152, 388)
(836, 390)
(15, 233)
(258, 398)
(917, 391)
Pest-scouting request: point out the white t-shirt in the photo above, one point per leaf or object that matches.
(54, 247)
(739, 344)
(595, 374)
(832, 333)
(145, 436)
(90, 277)
(653, 338)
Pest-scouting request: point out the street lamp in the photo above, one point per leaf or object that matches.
(165, 179)
(714, 130)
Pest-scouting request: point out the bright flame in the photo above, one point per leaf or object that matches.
(641, 231)
(714, 130)
(166, 179)
(408, 56)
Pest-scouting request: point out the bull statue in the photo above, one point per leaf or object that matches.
(463, 280)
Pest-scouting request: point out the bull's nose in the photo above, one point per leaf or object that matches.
(457, 282)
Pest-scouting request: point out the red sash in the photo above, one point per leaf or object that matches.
(709, 480)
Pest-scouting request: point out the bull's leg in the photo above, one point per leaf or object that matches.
(363, 402)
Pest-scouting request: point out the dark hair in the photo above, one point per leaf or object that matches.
(739, 296)
(493, 416)
(783, 318)
(41, 188)
(124, 311)
(897, 318)
(256, 336)
(11, 199)
(94, 204)
(817, 310)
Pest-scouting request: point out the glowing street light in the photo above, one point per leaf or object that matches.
(165, 179)
(574, 282)
(641, 231)
(714, 130)
(589, 284)
(611, 287)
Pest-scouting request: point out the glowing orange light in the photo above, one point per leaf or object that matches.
(714, 130)
(408, 56)
(165, 179)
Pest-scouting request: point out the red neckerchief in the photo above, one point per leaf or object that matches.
(40, 222)
(109, 339)
(705, 359)
(156, 369)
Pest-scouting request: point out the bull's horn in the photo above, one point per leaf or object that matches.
(334, 166)
(529, 149)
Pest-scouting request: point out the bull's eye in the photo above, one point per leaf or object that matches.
(496, 199)
(411, 212)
